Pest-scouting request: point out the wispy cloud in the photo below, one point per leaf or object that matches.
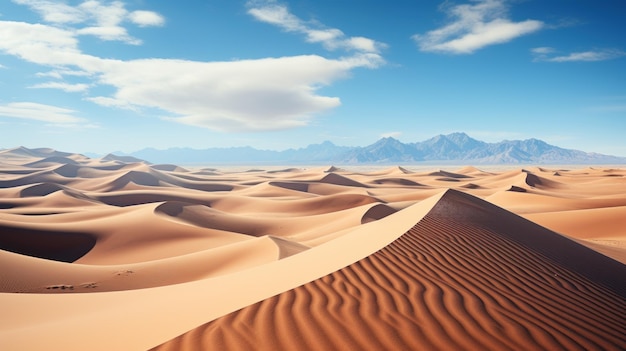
(243, 95)
(544, 50)
(67, 87)
(611, 108)
(551, 55)
(62, 73)
(113, 102)
(40, 112)
(93, 17)
(54, 11)
(332, 38)
(473, 27)
(609, 104)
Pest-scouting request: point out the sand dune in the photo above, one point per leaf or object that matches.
(317, 258)
(449, 283)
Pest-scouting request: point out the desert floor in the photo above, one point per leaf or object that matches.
(110, 254)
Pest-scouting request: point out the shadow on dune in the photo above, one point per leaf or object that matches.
(517, 189)
(136, 177)
(42, 189)
(50, 161)
(48, 244)
(536, 181)
(302, 187)
(397, 181)
(471, 186)
(446, 174)
(336, 179)
(377, 212)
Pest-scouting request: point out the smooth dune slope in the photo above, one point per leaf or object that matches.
(466, 277)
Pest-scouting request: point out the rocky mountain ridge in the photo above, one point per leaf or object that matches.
(450, 148)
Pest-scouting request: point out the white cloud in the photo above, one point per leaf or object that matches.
(54, 11)
(110, 33)
(274, 13)
(264, 94)
(108, 19)
(271, 12)
(67, 87)
(112, 102)
(473, 27)
(146, 18)
(40, 112)
(542, 50)
(327, 36)
(243, 95)
(60, 73)
(45, 45)
(586, 56)
(363, 44)
(51, 74)
(106, 15)
(100, 18)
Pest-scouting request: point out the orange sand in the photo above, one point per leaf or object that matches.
(103, 255)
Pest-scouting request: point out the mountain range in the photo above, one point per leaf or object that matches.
(447, 149)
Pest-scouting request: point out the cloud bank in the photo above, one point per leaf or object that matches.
(473, 27)
(244, 95)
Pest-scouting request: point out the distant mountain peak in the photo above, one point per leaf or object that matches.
(455, 136)
(387, 141)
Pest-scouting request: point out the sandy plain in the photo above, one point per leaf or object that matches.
(110, 254)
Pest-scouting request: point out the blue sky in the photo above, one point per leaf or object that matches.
(101, 76)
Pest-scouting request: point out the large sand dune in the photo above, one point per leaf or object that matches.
(115, 254)
(467, 276)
